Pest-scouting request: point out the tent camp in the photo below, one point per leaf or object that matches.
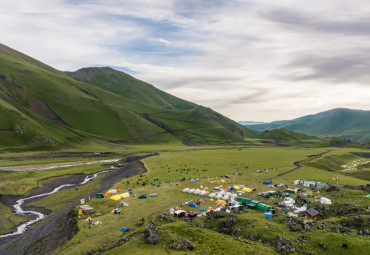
(99, 195)
(125, 195)
(253, 203)
(179, 213)
(221, 202)
(243, 200)
(116, 211)
(192, 204)
(247, 190)
(263, 207)
(115, 197)
(192, 214)
(86, 209)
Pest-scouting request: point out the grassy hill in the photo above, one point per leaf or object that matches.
(346, 123)
(41, 106)
(284, 135)
(127, 86)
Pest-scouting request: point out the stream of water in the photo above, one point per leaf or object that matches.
(18, 205)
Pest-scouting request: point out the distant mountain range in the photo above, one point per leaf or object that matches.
(41, 106)
(339, 122)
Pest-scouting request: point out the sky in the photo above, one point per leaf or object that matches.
(251, 60)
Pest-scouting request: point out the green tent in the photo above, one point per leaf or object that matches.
(99, 195)
(368, 195)
(243, 200)
(250, 204)
(263, 207)
(253, 203)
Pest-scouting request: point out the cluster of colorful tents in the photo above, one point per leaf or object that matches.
(243, 188)
(120, 196)
(113, 194)
(201, 192)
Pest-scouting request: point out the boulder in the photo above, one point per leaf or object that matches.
(182, 244)
(283, 245)
(152, 234)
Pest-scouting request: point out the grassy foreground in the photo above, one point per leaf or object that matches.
(173, 169)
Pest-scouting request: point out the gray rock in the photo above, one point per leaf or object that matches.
(182, 244)
(152, 234)
(283, 245)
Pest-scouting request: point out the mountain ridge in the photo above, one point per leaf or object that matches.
(347, 123)
(42, 106)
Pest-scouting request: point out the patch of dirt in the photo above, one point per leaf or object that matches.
(39, 107)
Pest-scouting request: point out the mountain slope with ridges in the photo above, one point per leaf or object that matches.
(57, 110)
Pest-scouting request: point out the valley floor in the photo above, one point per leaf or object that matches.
(167, 174)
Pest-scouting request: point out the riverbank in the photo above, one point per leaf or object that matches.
(60, 226)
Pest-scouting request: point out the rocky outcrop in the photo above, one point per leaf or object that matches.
(152, 234)
(228, 226)
(283, 245)
(182, 244)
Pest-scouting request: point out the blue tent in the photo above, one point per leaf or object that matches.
(202, 208)
(142, 196)
(192, 204)
(123, 229)
(158, 185)
(267, 182)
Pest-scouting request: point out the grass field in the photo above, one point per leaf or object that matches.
(206, 163)
(216, 163)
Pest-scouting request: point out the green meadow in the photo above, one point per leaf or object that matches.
(173, 169)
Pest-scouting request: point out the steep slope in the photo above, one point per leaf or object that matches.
(41, 106)
(127, 86)
(346, 123)
(181, 118)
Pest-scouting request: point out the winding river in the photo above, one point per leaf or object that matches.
(18, 205)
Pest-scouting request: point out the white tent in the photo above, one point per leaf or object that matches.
(186, 190)
(203, 193)
(325, 200)
(212, 195)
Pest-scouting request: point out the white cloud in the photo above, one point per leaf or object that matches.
(250, 60)
(161, 40)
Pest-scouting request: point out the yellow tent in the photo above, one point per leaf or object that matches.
(115, 197)
(247, 189)
(222, 181)
(80, 212)
(236, 187)
(221, 202)
(125, 195)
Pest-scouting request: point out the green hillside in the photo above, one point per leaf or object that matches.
(284, 135)
(354, 125)
(304, 119)
(346, 123)
(127, 86)
(41, 106)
